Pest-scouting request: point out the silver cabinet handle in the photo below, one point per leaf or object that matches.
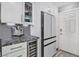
(16, 47)
(19, 56)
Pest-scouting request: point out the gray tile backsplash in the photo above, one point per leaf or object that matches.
(27, 32)
(6, 34)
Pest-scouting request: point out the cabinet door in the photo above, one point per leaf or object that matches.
(11, 12)
(27, 13)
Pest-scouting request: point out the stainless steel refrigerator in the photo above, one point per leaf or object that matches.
(48, 35)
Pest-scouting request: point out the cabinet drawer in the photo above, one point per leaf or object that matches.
(14, 47)
(22, 53)
(49, 40)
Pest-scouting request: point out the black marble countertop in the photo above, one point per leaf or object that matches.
(16, 40)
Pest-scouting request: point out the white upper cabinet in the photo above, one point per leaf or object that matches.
(12, 12)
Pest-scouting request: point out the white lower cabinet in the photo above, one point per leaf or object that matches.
(15, 50)
(21, 53)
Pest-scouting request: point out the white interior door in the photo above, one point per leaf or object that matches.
(68, 40)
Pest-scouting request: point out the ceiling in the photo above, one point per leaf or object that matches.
(59, 4)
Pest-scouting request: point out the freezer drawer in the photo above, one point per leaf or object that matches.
(50, 50)
(13, 48)
(49, 40)
(21, 53)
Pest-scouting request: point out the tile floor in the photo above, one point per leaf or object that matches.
(64, 54)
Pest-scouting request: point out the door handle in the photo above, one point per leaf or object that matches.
(61, 33)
